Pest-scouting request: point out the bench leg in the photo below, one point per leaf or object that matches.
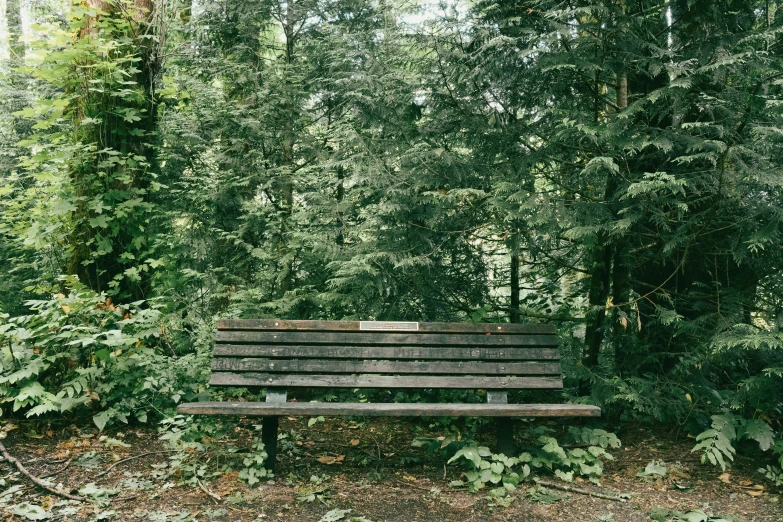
(269, 438)
(504, 426)
(505, 436)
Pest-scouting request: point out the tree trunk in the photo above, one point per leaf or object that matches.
(340, 239)
(514, 251)
(601, 271)
(102, 269)
(287, 188)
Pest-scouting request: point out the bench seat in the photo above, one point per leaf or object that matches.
(364, 409)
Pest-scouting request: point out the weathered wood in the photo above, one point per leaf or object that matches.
(397, 367)
(278, 354)
(387, 352)
(349, 326)
(383, 381)
(269, 426)
(383, 338)
(388, 410)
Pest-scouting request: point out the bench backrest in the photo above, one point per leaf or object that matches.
(371, 354)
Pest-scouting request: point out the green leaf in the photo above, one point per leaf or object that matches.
(761, 432)
(100, 420)
(469, 453)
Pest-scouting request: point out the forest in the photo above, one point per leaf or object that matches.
(610, 167)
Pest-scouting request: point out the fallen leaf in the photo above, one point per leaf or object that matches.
(291, 418)
(355, 442)
(329, 460)
(725, 478)
(409, 478)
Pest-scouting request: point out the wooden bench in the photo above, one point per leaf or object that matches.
(279, 354)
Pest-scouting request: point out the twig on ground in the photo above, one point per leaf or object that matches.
(622, 497)
(212, 495)
(59, 470)
(37, 481)
(104, 472)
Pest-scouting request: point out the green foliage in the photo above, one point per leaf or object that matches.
(253, 469)
(774, 473)
(495, 470)
(568, 463)
(483, 468)
(317, 489)
(660, 514)
(201, 455)
(373, 160)
(717, 443)
(542, 495)
(653, 469)
(80, 352)
(91, 149)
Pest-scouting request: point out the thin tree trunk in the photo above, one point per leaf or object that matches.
(287, 189)
(619, 271)
(601, 271)
(514, 250)
(340, 239)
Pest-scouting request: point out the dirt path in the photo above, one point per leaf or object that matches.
(375, 473)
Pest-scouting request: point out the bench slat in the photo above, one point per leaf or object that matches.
(397, 367)
(383, 381)
(384, 338)
(389, 410)
(388, 352)
(349, 326)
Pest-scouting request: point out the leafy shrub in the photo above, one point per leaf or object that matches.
(486, 468)
(545, 453)
(253, 469)
(584, 460)
(716, 443)
(200, 452)
(80, 351)
(660, 514)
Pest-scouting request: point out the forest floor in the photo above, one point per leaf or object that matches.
(374, 473)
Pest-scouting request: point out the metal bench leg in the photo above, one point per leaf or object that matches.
(269, 429)
(505, 436)
(504, 426)
(269, 438)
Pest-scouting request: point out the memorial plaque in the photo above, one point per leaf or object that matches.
(388, 325)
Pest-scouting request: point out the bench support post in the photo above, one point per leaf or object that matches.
(504, 426)
(269, 429)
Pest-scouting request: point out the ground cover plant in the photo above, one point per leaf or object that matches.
(136, 473)
(610, 167)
